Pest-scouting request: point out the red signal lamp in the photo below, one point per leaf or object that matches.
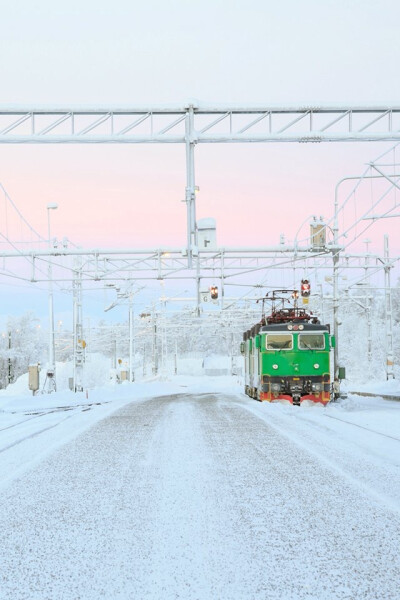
(305, 288)
(214, 292)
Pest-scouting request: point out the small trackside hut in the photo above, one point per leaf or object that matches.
(287, 354)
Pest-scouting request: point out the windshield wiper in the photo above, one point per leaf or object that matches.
(307, 346)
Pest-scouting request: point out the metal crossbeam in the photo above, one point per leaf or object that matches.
(211, 124)
(101, 265)
(193, 124)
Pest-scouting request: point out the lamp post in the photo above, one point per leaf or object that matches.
(51, 369)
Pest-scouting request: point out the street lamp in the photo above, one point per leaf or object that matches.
(51, 369)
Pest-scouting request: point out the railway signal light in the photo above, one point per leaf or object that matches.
(214, 292)
(305, 288)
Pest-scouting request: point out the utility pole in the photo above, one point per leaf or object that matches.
(368, 299)
(321, 294)
(131, 339)
(176, 358)
(51, 368)
(198, 283)
(79, 343)
(9, 359)
(232, 353)
(388, 312)
(190, 198)
(222, 281)
(155, 353)
(126, 295)
(336, 257)
(164, 339)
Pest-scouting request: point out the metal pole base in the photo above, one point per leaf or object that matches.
(50, 383)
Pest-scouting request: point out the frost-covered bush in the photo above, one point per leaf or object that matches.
(353, 341)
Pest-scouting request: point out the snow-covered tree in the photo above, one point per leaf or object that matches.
(22, 343)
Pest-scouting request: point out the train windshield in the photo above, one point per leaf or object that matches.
(279, 341)
(311, 341)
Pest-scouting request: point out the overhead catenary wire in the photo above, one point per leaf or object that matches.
(12, 203)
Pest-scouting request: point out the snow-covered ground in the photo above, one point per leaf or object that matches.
(379, 388)
(186, 488)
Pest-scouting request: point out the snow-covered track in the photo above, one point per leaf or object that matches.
(375, 395)
(36, 423)
(345, 437)
(34, 416)
(390, 437)
(36, 432)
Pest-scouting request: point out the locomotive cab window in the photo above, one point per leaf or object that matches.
(277, 341)
(311, 341)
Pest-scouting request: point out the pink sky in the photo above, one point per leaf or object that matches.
(130, 195)
(145, 53)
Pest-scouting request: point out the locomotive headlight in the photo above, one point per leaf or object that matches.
(290, 327)
(275, 387)
(275, 366)
(316, 387)
(301, 327)
(316, 366)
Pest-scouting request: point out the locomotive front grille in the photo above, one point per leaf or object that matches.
(294, 386)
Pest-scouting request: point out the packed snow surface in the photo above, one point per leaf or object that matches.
(188, 489)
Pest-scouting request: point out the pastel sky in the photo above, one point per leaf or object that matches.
(154, 52)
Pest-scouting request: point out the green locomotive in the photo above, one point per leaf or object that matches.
(287, 354)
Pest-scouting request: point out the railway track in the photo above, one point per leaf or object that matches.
(391, 437)
(384, 396)
(36, 415)
(13, 435)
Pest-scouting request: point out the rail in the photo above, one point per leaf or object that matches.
(375, 395)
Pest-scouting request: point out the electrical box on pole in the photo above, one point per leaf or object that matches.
(318, 233)
(206, 234)
(33, 372)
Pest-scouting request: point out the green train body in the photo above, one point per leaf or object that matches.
(287, 358)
